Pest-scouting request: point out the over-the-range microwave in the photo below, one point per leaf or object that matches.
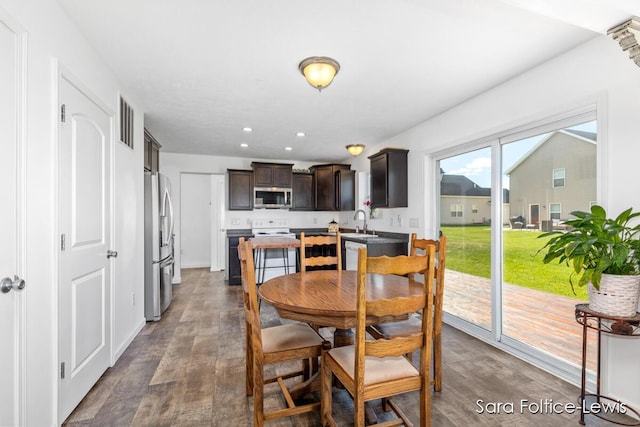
(272, 198)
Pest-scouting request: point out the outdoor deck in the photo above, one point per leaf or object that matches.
(540, 319)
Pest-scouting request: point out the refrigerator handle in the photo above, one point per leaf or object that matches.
(170, 236)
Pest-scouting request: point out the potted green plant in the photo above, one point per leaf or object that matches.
(604, 254)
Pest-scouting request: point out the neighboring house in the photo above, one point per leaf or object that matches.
(557, 176)
(463, 202)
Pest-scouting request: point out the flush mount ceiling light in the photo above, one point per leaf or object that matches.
(355, 149)
(319, 71)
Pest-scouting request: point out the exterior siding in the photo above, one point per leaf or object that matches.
(532, 180)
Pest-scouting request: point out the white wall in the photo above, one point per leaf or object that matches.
(51, 35)
(195, 226)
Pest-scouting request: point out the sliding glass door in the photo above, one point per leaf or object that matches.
(495, 203)
(546, 177)
(465, 218)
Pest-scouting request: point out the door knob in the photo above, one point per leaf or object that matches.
(112, 254)
(7, 284)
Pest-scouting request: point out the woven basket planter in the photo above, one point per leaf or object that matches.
(617, 297)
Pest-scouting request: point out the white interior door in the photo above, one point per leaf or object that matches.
(85, 279)
(12, 332)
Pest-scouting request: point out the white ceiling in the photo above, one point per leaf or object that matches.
(204, 69)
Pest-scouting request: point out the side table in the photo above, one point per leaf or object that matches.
(603, 323)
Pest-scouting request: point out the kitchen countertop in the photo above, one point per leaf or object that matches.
(239, 232)
(383, 236)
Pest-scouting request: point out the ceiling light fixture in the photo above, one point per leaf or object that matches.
(355, 149)
(319, 71)
(247, 129)
(243, 145)
(300, 134)
(288, 148)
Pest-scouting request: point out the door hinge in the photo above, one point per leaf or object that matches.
(62, 242)
(62, 370)
(63, 113)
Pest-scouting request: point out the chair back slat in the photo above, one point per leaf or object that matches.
(395, 347)
(323, 259)
(399, 265)
(396, 306)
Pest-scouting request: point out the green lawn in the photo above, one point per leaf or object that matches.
(469, 251)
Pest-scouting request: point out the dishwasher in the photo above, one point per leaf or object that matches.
(351, 249)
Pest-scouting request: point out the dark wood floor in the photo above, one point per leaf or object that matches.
(188, 370)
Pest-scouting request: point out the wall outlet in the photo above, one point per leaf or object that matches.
(315, 220)
(399, 221)
(133, 299)
(235, 221)
(414, 223)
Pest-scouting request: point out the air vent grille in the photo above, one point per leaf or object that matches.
(126, 123)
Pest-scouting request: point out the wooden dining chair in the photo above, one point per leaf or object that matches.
(374, 369)
(412, 324)
(283, 343)
(325, 245)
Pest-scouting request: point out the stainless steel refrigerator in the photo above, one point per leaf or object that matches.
(158, 245)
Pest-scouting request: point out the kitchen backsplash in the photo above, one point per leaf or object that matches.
(392, 220)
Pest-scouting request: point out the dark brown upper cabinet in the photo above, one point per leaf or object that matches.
(272, 174)
(325, 186)
(389, 178)
(302, 190)
(345, 190)
(151, 152)
(240, 190)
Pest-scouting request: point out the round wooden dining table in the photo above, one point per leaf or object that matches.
(328, 297)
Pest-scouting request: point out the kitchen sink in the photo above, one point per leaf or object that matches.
(358, 235)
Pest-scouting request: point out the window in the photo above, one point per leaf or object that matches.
(474, 208)
(555, 211)
(456, 211)
(558, 178)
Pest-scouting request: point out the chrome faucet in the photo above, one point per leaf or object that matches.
(364, 224)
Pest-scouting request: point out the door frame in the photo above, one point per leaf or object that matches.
(61, 72)
(218, 230)
(531, 207)
(21, 213)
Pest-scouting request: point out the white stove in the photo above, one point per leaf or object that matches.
(271, 227)
(273, 262)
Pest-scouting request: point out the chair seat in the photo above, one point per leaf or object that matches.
(396, 329)
(288, 337)
(377, 369)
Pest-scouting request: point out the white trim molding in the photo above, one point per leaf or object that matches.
(628, 35)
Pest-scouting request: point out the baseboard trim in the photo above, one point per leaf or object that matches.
(128, 341)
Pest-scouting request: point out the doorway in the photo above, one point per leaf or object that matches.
(202, 221)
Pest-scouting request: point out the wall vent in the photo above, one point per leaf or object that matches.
(126, 123)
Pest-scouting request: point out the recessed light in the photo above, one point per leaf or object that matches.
(243, 145)
(300, 134)
(247, 129)
(288, 148)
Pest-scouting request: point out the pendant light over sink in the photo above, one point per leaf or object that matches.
(319, 71)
